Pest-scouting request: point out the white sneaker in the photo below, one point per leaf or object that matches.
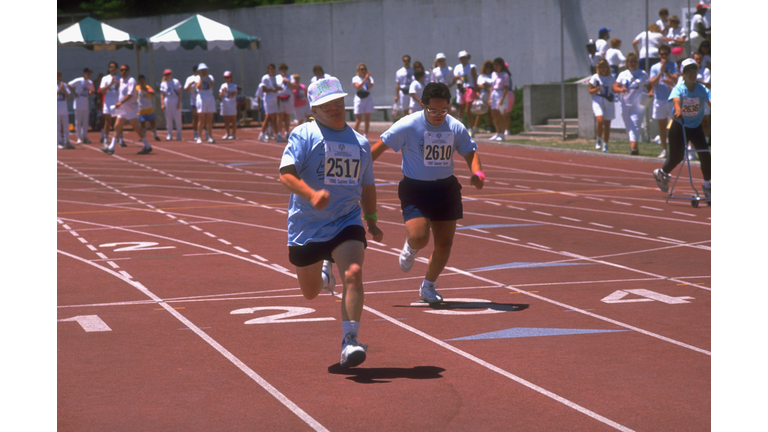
(232, 137)
(328, 272)
(352, 351)
(210, 140)
(662, 179)
(168, 137)
(263, 138)
(493, 138)
(663, 154)
(198, 140)
(429, 295)
(598, 145)
(407, 257)
(605, 147)
(225, 137)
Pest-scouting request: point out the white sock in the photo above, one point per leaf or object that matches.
(427, 283)
(144, 140)
(349, 327)
(112, 144)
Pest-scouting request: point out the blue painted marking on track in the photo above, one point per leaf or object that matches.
(518, 332)
(487, 226)
(527, 265)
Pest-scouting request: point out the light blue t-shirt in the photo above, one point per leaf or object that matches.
(691, 102)
(337, 161)
(427, 149)
(662, 91)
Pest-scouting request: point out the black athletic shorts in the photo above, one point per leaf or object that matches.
(312, 252)
(436, 200)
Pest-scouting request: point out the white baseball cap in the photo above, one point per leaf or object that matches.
(202, 66)
(324, 90)
(227, 73)
(463, 53)
(687, 62)
(440, 56)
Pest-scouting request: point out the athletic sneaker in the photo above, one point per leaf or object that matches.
(157, 138)
(86, 141)
(280, 138)
(662, 179)
(69, 146)
(145, 150)
(168, 137)
(232, 137)
(263, 138)
(352, 351)
(598, 145)
(211, 141)
(429, 295)
(328, 272)
(60, 146)
(108, 151)
(663, 154)
(178, 137)
(198, 140)
(605, 147)
(225, 137)
(493, 138)
(707, 191)
(122, 142)
(407, 257)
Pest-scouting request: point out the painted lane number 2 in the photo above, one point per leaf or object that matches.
(134, 246)
(285, 317)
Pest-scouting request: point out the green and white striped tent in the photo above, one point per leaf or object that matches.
(95, 35)
(203, 32)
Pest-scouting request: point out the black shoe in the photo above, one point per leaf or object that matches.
(123, 144)
(145, 150)
(108, 151)
(634, 152)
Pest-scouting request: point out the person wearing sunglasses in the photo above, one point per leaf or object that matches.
(127, 110)
(328, 169)
(430, 195)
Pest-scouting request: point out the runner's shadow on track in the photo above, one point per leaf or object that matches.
(461, 305)
(385, 375)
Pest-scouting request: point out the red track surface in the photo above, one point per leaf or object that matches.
(163, 258)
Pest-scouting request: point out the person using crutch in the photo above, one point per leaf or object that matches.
(689, 98)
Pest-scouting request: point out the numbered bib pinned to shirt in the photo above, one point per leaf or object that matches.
(342, 164)
(690, 107)
(438, 148)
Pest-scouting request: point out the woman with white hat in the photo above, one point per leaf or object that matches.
(228, 96)
(206, 104)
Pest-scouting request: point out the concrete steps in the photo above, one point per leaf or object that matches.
(554, 129)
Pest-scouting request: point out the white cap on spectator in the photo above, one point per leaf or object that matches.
(324, 90)
(440, 56)
(463, 54)
(202, 66)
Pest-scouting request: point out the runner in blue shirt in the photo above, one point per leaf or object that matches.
(328, 168)
(430, 196)
(689, 98)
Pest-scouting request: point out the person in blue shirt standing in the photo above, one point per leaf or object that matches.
(430, 195)
(689, 98)
(328, 168)
(663, 78)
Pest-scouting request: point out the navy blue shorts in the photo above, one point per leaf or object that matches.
(436, 200)
(147, 117)
(312, 252)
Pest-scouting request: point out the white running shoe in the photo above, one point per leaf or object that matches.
(663, 154)
(168, 137)
(407, 257)
(598, 145)
(352, 351)
(198, 140)
(429, 295)
(263, 138)
(662, 179)
(225, 137)
(493, 138)
(328, 272)
(211, 141)
(605, 147)
(232, 137)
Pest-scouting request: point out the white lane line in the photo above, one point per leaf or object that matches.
(500, 371)
(651, 208)
(570, 219)
(314, 424)
(541, 213)
(600, 225)
(634, 232)
(539, 246)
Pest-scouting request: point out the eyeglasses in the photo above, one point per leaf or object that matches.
(436, 112)
(338, 103)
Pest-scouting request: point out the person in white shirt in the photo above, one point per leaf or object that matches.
(663, 78)
(466, 80)
(418, 66)
(127, 109)
(442, 73)
(601, 89)
(614, 57)
(416, 90)
(604, 35)
(228, 97)
(655, 39)
(319, 74)
(62, 114)
(268, 88)
(484, 83)
(663, 21)
(699, 26)
(499, 103)
(191, 88)
(594, 57)
(363, 103)
(676, 38)
(284, 102)
(631, 85)
(403, 79)
(82, 88)
(205, 103)
(171, 104)
(109, 88)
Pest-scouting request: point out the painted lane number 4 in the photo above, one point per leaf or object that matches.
(647, 295)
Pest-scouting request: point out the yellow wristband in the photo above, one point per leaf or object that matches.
(372, 216)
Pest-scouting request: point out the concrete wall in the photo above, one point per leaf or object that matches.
(340, 35)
